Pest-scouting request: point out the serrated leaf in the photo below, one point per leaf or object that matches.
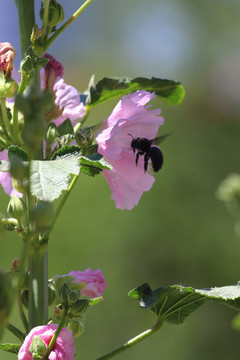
(12, 348)
(17, 151)
(50, 178)
(172, 92)
(175, 303)
(69, 150)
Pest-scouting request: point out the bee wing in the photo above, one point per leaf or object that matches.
(158, 140)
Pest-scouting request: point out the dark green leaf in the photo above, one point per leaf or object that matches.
(72, 150)
(65, 128)
(17, 151)
(93, 164)
(12, 348)
(175, 303)
(170, 91)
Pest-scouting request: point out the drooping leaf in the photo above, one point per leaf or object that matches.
(12, 348)
(175, 303)
(172, 92)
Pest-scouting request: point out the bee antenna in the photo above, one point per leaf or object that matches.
(131, 136)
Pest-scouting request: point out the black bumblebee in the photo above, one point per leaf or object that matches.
(147, 148)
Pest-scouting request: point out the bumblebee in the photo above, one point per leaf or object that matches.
(149, 150)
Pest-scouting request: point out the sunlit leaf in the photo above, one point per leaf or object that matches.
(172, 92)
(175, 303)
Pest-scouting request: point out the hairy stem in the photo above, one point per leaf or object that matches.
(5, 117)
(57, 332)
(26, 19)
(38, 286)
(15, 331)
(21, 312)
(132, 342)
(67, 23)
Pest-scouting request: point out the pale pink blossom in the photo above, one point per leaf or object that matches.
(130, 117)
(5, 178)
(63, 348)
(95, 282)
(68, 100)
(66, 96)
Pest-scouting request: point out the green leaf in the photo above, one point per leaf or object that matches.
(93, 164)
(65, 128)
(95, 301)
(17, 151)
(50, 178)
(12, 348)
(67, 150)
(175, 303)
(172, 92)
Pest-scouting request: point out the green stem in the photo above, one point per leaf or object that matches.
(57, 332)
(5, 117)
(20, 310)
(38, 286)
(21, 89)
(15, 331)
(3, 142)
(26, 19)
(132, 342)
(45, 14)
(66, 24)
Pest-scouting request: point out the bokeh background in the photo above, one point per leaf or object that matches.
(179, 233)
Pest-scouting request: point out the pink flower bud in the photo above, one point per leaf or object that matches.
(7, 54)
(63, 348)
(53, 70)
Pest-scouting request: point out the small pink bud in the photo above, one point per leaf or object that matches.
(7, 54)
(53, 70)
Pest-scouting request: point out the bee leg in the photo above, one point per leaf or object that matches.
(146, 159)
(137, 157)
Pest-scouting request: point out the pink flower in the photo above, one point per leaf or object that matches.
(5, 178)
(130, 116)
(67, 98)
(63, 348)
(95, 282)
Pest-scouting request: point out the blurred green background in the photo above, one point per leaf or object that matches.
(179, 233)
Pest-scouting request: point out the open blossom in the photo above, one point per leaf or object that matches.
(130, 118)
(67, 98)
(63, 348)
(95, 282)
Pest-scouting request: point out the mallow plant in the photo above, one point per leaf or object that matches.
(45, 143)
